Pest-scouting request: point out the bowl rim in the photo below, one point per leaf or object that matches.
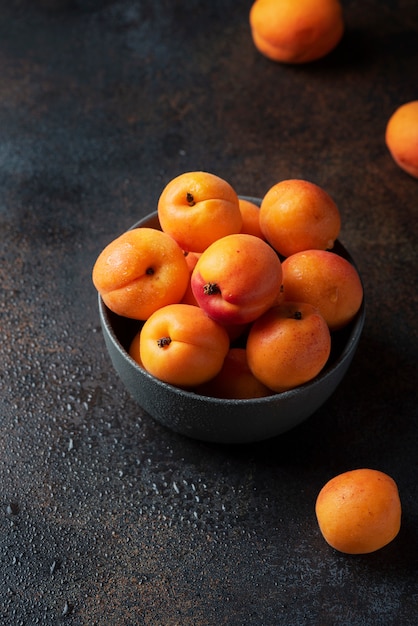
(346, 352)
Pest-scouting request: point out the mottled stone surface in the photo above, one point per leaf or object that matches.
(106, 518)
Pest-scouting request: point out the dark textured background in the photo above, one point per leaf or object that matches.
(107, 518)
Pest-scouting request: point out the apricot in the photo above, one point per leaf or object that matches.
(188, 297)
(181, 345)
(359, 511)
(288, 345)
(250, 213)
(296, 31)
(140, 271)
(197, 208)
(235, 380)
(191, 260)
(298, 215)
(325, 280)
(237, 278)
(280, 298)
(402, 137)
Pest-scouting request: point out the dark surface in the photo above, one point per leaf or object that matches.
(107, 517)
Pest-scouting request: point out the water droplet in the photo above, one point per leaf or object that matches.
(66, 609)
(12, 508)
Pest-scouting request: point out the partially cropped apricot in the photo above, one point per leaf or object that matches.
(140, 271)
(250, 213)
(235, 380)
(296, 31)
(359, 511)
(402, 137)
(325, 280)
(197, 208)
(181, 345)
(288, 345)
(237, 278)
(298, 215)
(191, 260)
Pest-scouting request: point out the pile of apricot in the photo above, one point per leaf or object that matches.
(235, 300)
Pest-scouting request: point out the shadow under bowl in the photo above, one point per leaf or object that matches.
(218, 420)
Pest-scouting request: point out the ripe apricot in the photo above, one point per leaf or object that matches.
(298, 215)
(197, 208)
(327, 281)
(237, 278)
(140, 271)
(235, 380)
(191, 260)
(288, 345)
(359, 511)
(296, 31)
(402, 137)
(181, 345)
(250, 213)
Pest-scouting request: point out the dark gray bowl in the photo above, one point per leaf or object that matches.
(226, 421)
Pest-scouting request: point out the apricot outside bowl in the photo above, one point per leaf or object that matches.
(226, 421)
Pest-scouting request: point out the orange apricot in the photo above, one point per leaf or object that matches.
(325, 280)
(181, 345)
(237, 278)
(296, 31)
(359, 511)
(402, 137)
(140, 271)
(280, 298)
(298, 215)
(191, 260)
(197, 208)
(288, 345)
(188, 297)
(235, 380)
(250, 213)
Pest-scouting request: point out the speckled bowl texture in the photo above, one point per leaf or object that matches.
(218, 420)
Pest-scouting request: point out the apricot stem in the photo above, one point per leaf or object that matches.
(297, 315)
(190, 199)
(163, 342)
(210, 289)
(150, 271)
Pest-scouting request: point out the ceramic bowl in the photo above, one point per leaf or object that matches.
(226, 421)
